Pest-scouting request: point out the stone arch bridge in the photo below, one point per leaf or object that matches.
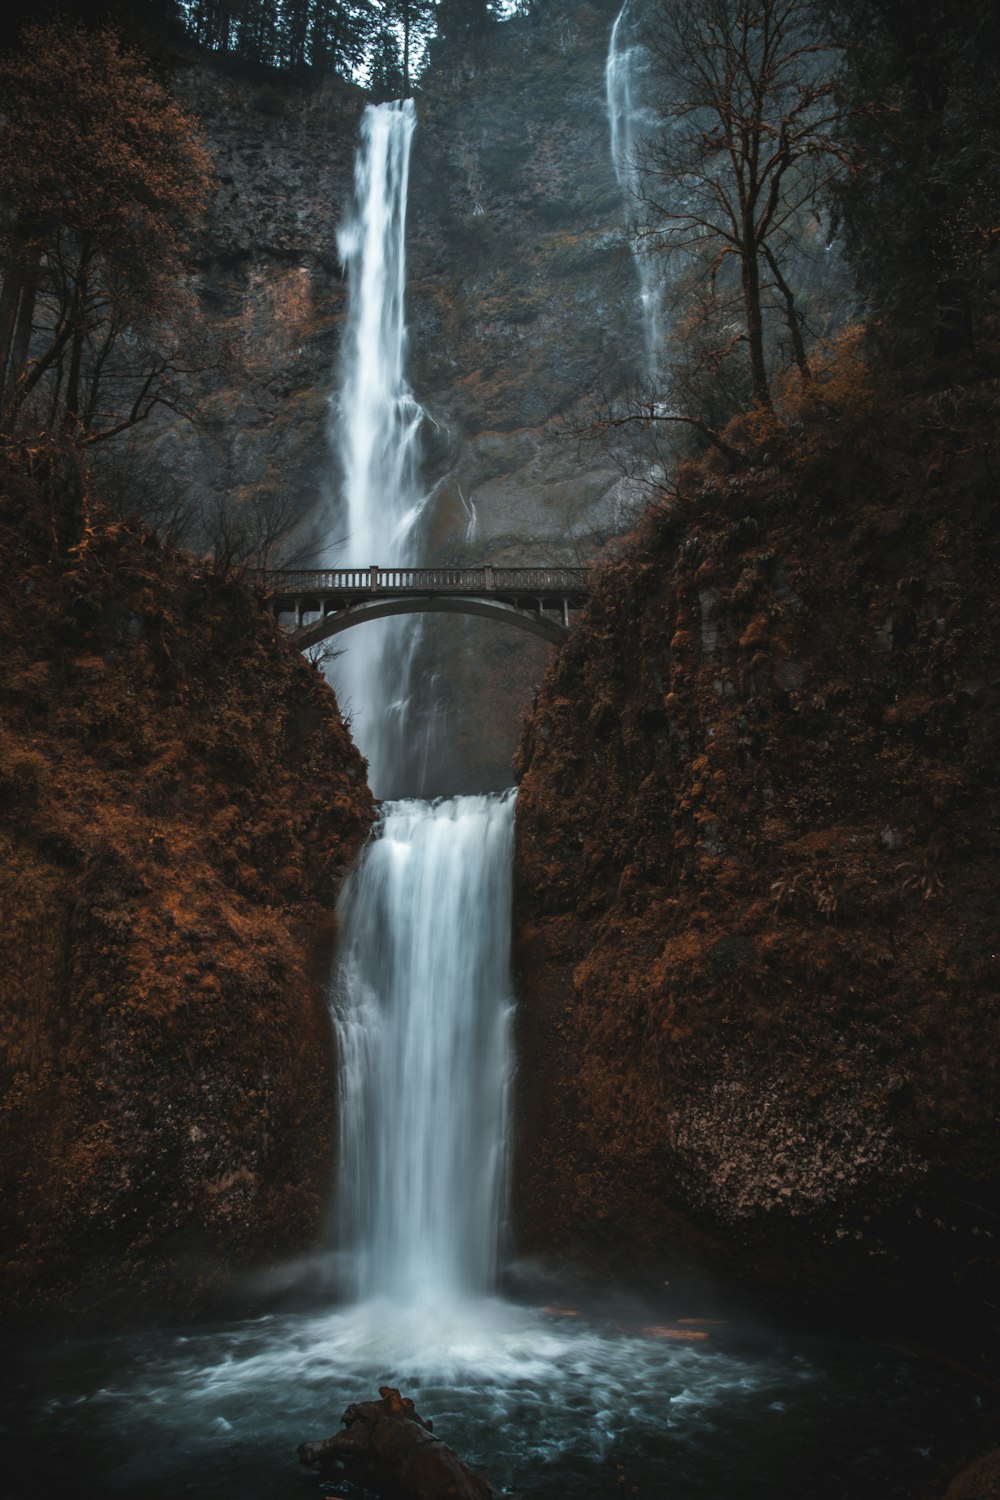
(320, 602)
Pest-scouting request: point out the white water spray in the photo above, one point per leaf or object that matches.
(629, 121)
(423, 1015)
(375, 431)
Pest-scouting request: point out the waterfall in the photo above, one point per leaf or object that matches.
(422, 1010)
(628, 120)
(422, 997)
(375, 424)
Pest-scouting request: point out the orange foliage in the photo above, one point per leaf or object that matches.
(756, 903)
(103, 177)
(161, 994)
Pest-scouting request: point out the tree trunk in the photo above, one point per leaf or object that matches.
(71, 404)
(24, 289)
(791, 314)
(406, 49)
(750, 277)
(9, 298)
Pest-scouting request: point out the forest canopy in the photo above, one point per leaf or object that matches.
(381, 44)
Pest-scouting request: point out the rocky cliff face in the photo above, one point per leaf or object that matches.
(757, 860)
(523, 302)
(178, 802)
(523, 312)
(270, 298)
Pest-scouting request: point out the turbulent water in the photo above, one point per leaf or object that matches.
(375, 424)
(423, 1006)
(551, 1405)
(630, 123)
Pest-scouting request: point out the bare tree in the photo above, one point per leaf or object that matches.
(254, 529)
(744, 151)
(103, 177)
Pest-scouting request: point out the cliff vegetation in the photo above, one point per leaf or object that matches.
(758, 862)
(179, 799)
(757, 837)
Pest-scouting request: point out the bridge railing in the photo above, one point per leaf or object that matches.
(480, 580)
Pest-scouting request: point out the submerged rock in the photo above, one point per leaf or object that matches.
(980, 1481)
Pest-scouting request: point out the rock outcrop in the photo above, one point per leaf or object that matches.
(178, 802)
(757, 864)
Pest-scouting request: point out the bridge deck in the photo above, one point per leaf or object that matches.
(346, 583)
(342, 597)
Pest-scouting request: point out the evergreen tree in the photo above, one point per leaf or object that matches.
(385, 71)
(340, 35)
(461, 25)
(294, 35)
(410, 22)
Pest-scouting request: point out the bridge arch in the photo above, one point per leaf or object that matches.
(449, 604)
(537, 600)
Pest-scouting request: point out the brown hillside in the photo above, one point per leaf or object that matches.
(759, 865)
(179, 799)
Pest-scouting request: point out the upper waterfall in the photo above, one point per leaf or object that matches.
(377, 419)
(374, 432)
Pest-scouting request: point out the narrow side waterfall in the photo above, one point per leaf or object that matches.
(375, 424)
(422, 1010)
(629, 122)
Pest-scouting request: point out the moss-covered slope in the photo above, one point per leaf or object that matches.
(178, 802)
(758, 869)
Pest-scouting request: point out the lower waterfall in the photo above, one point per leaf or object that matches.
(550, 1392)
(422, 1008)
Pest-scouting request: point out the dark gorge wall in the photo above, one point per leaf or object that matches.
(270, 298)
(757, 862)
(179, 801)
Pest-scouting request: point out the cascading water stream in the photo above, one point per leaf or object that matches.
(422, 1012)
(629, 122)
(423, 992)
(375, 424)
